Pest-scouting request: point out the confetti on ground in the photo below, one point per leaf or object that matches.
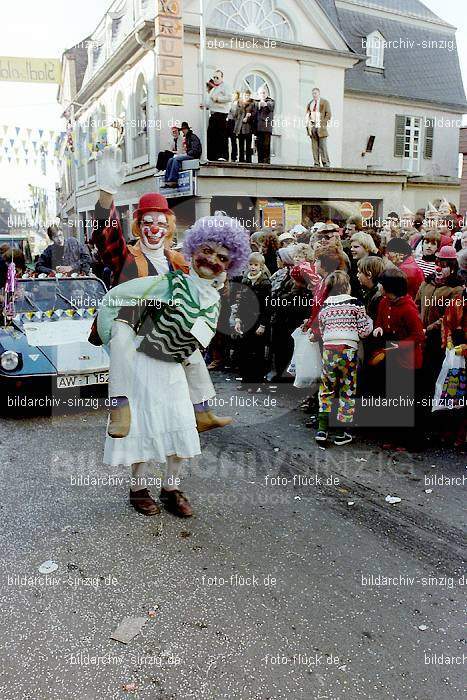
(393, 499)
(422, 628)
(129, 687)
(428, 490)
(47, 567)
(350, 503)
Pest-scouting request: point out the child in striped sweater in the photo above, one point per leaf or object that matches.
(342, 322)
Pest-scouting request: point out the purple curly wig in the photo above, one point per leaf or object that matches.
(224, 231)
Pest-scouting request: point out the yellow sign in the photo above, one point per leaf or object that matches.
(29, 70)
(293, 215)
(169, 52)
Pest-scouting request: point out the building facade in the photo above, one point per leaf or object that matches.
(396, 107)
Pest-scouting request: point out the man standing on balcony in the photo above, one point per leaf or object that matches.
(218, 99)
(263, 125)
(318, 114)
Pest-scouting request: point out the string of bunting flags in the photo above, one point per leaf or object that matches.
(31, 146)
(54, 314)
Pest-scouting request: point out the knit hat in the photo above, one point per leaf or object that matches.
(288, 236)
(318, 227)
(447, 252)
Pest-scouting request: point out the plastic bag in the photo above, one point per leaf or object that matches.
(450, 385)
(306, 358)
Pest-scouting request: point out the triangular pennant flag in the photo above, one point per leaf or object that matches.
(41, 131)
(80, 312)
(5, 129)
(92, 310)
(17, 129)
(49, 313)
(70, 312)
(58, 313)
(12, 142)
(38, 314)
(29, 314)
(29, 132)
(444, 207)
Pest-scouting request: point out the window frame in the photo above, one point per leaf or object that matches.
(375, 59)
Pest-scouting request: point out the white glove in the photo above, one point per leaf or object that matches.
(110, 171)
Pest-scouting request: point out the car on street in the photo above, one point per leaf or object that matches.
(44, 346)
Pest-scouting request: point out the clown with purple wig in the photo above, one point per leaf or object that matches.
(178, 316)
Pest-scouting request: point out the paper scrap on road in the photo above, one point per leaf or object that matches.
(428, 490)
(350, 503)
(422, 627)
(48, 567)
(128, 629)
(393, 499)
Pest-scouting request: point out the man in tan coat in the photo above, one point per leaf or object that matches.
(318, 114)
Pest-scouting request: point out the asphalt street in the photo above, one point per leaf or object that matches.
(295, 578)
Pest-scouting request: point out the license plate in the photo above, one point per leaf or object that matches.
(70, 381)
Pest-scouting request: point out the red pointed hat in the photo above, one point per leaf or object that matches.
(152, 201)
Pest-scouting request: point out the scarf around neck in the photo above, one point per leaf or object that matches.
(208, 294)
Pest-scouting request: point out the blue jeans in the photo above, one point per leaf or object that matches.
(173, 167)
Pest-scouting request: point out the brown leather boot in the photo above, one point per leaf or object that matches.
(143, 502)
(120, 421)
(206, 420)
(176, 503)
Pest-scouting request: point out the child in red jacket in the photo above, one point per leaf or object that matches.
(401, 355)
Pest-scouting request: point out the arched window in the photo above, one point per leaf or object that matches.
(120, 115)
(140, 140)
(258, 17)
(91, 142)
(254, 81)
(81, 153)
(375, 50)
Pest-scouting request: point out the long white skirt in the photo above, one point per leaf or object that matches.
(162, 415)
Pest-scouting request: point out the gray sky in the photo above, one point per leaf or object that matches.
(47, 28)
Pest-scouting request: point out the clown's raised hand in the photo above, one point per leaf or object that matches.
(110, 170)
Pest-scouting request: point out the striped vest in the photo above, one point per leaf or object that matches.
(166, 330)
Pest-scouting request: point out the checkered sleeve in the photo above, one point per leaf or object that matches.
(109, 240)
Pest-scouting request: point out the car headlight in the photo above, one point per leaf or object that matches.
(9, 360)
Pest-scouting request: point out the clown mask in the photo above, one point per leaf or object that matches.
(153, 229)
(442, 271)
(211, 260)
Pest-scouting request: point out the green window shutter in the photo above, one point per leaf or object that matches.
(399, 135)
(429, 131)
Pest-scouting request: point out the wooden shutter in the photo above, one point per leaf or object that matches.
(429, 131)
(399, 136)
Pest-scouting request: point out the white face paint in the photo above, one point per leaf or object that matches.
(153, 229)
